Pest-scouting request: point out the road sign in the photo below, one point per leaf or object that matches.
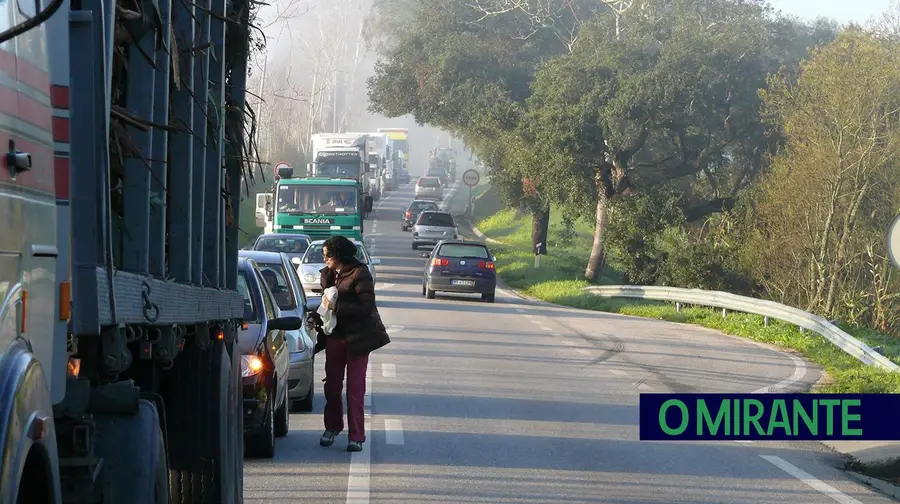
(279, 165)
(893, 242)
(471, 178)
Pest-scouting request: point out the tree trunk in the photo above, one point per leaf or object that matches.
(540, 223)
(598, 253)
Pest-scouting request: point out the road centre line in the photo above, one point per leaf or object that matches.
(568, 342)
(582, 351)
(546, 329)
(644, 386)
(393, 431)
(810, 480)
(358, 481)
(389, 370)
(618, 372)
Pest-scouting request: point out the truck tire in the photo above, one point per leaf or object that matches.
(133, 450)
(202, 428)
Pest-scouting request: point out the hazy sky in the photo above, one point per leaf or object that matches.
(842, 11)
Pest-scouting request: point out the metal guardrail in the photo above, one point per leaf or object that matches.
(769, 309)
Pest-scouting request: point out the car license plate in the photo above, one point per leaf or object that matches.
(462, 282)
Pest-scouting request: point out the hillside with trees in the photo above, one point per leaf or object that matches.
(708, 143)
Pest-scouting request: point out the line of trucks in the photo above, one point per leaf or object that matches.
(348, 173)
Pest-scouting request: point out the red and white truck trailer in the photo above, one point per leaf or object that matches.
(120, 381)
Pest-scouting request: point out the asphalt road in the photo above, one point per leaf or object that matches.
(522, 402)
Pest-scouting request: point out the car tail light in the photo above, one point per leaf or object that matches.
(440, 262)
(485, 265)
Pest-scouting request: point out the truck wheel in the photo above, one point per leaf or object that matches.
(162, 473)
(133, 450)
(202, 428)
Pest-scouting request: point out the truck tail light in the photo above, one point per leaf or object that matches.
(440, 262)
(486, 265)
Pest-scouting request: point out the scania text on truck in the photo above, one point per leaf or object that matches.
(120, 376)
(345, 156)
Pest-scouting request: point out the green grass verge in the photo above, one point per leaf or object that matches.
(559, 279)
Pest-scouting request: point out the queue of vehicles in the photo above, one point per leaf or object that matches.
(337, 192)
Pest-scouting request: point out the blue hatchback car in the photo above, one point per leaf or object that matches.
(457, 266)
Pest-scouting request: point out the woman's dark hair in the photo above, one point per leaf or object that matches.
(341, 248)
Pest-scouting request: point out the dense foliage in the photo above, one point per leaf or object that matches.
(711, 143)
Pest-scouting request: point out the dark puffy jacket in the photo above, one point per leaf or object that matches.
(358, 320)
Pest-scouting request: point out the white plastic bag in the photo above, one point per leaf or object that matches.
(329, 320)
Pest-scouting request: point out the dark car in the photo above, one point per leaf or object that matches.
(284, 282)
(459, 266)
(439, 174)
(294, 245)
(265, 358)
(412, 211)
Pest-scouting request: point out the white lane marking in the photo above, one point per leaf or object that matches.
(568, 342)
(520, 310)
(389, 370)
(744, 442)
(360, 462)
(618, 372)
(392, 329)
(393, 431)
(810, 480)
(385, 285)
(582, 351)
(546, 329)
(556, 335)
(644, 386)
(528, 315)
(799, 372)
(536, 322)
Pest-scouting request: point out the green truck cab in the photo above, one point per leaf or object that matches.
(319, 207)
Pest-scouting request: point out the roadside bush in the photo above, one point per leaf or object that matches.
(632, 235)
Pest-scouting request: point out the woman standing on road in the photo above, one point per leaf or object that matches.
(358, 332)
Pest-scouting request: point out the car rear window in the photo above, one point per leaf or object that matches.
(463, 251)
(287, 245)
(436, 219)
(429, 182)
(423, 205)
(251, 314)
(274, 274)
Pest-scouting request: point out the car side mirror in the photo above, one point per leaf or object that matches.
(375, 261)
(494, 258)
(285, 324)
(296, 261)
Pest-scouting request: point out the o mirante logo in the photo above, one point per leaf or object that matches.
(703, 417)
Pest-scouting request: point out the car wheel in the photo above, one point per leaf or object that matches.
(423, 289)
(263, 444)
(306, 404)
(429, 293)
(488, 297)
(282, 419)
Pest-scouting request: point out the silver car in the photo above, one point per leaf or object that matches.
(284, 283)
(308, 268)
(432, 227)
(429, 188)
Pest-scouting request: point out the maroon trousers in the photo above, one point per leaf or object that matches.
(338, 358)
